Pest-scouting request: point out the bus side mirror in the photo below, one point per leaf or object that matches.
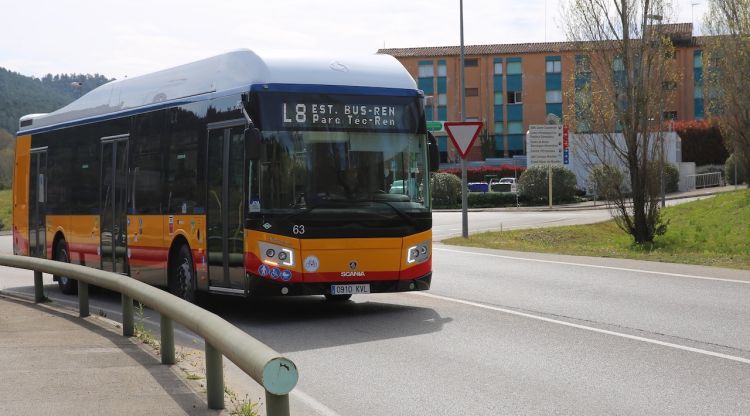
(252, 143)
(434, 152)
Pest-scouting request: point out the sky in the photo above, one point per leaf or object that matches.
(129, 38)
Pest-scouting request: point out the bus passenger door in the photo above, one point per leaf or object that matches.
(37, 202)
(225, 208)
(113, 202)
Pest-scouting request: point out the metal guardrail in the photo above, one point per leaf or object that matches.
(278, 375)
(704, 180)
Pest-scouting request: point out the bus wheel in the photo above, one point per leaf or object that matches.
(182, 275)
(337, 298)
(67, 285)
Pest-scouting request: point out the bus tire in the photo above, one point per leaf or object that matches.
(67, 285)
(182, 275)
(337, 298)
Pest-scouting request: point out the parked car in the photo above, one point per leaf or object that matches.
(503, 185)
(478, 187)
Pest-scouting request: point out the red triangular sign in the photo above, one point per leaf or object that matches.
(463, 134)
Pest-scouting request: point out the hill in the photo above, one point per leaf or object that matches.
(21, 95)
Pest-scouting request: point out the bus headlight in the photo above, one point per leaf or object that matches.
(418, 253)
(277, 255)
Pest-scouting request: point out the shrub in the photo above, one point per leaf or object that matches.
(671, 178)
(446, 190)
(491, 199)
(729, 171)
(607, 181)
(533, 184)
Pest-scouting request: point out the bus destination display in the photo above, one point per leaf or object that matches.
(340, 115)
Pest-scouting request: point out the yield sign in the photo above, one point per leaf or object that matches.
(463, 134)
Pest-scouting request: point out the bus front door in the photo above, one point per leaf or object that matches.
(113, 202)
(37, 202)
(225, 208)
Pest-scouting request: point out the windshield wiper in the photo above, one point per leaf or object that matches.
(399, 212)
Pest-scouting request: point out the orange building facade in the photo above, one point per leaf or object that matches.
(510, 86)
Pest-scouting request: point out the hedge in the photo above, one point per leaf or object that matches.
(702, 142)
(478, 174)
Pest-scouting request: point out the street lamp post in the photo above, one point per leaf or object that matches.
(464, 179)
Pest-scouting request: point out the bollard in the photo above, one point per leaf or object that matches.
(38, 287)
(277, 405)
(83, 299)
(127, 316)
(214, 377)
(167, 341)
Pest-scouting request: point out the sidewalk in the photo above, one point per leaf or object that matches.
(54, 363)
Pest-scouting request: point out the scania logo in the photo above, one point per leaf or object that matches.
(353, 274)
(353, 265)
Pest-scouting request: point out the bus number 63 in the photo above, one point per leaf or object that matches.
(298, 229)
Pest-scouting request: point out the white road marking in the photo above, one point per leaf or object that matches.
(587, 328)
(688, 276)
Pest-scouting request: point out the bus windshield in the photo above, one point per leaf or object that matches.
(303, 170)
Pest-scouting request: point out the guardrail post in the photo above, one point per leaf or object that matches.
(167, 341)
(127, 316)
(277, 405)
(38, 287)
(83, 299)
(214, 377)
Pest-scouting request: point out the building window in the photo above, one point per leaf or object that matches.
(670, 115)
(554, 67)
(698, 92)
(498, 98)
(515, 127)
(698, 60)
(554, 97)
(442, 71)
(498, 68)
(442, 99)
(472, 92)
(499, 127)
(426, 70)
(618, 65)
(471, 63)
(514, 68)
(668, 85)
(514, 97)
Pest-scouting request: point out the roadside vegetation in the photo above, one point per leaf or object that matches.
(712, 232)
(5, 209)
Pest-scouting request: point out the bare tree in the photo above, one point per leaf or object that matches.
(728, 80)
(623, 78)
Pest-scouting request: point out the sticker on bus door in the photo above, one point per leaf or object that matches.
(171, 224)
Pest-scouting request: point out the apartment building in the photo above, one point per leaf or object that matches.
(510, 86)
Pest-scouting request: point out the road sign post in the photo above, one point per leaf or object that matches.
(463, 134)
(547, 144)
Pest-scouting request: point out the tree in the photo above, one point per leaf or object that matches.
(6, 158)
(728, 52)
(622, 82)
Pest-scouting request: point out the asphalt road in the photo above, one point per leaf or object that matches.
(510, 333)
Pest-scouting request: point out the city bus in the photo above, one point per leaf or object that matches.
(240, 174)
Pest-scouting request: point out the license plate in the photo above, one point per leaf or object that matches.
(350, 289)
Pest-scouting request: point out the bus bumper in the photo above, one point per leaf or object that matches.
(264, 287)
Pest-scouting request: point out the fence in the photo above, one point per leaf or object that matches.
(704, 180)
(278, 375)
